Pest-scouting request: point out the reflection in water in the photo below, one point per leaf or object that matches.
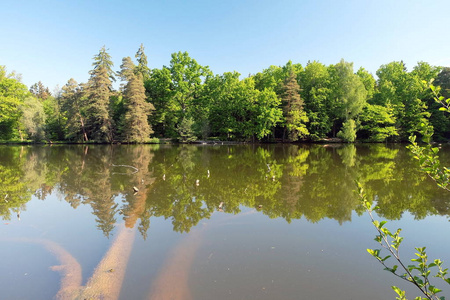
(68, 267)
(172, 282)
(106, 282)
(187, 183)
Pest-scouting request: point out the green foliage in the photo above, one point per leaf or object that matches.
(428, 155)
(316, 94)
(136, 127)
(377, 123)
(40, 91)
(349, 93)
(418, 273)
(405, 93)
(142, 66)
(267, 106)
(74, 104)
(348, 131)
(12, 96)
(99, 123)
(368, 81)
(185, 131)
(33, 119)
(54, 118)
(294, 115)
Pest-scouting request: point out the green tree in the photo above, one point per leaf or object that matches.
(238, 110)
(265, 114)
(185, 130)
(142, 66)
(158, 89)
(40, 91)
(176, 92)
(368, 81)
(404, 92)
(348, 97)
(315, 82)
(12, 96)
(294, 115)
(439, 119)
(136, 126)
(54, 119)
(377, 123)
(187, 77)
(99, 90)
(74, 107)
(33, 119)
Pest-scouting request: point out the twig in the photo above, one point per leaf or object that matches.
(126, 166)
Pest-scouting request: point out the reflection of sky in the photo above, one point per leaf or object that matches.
(246, 254)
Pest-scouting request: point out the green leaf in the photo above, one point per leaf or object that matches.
(383, 259)
(434, 290)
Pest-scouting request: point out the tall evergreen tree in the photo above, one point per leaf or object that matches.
(142, 66)
(136, 126)
(294, 115)
(99, 90)
(73, 106)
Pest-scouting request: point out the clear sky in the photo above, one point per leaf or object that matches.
(55, 40)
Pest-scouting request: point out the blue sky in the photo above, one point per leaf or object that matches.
(55, 40)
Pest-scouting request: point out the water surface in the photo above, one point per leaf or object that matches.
(209, 222)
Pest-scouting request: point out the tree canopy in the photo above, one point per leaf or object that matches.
(185, 101)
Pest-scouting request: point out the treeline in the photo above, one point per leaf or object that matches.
(186, 101)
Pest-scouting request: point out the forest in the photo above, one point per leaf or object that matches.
(187, 102)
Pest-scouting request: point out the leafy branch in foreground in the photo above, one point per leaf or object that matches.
(428, 155)
(418, 273)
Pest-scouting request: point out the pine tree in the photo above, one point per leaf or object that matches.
(40, 91)
(136, 126)
(142, 67)
(73, 104)
(293, 111)
(99, 90)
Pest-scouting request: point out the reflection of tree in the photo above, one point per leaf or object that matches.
(13, 188)
(391, 179)
(328, 187)
(188, 183)
(88, 180)
(238, 176)
(134, 206)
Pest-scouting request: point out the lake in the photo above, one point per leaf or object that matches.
(211, 221)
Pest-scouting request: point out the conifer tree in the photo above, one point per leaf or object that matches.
(142, 67)
(293, 111)
(99, 91)
(136, 126)
(40, 91)
(73, 104)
